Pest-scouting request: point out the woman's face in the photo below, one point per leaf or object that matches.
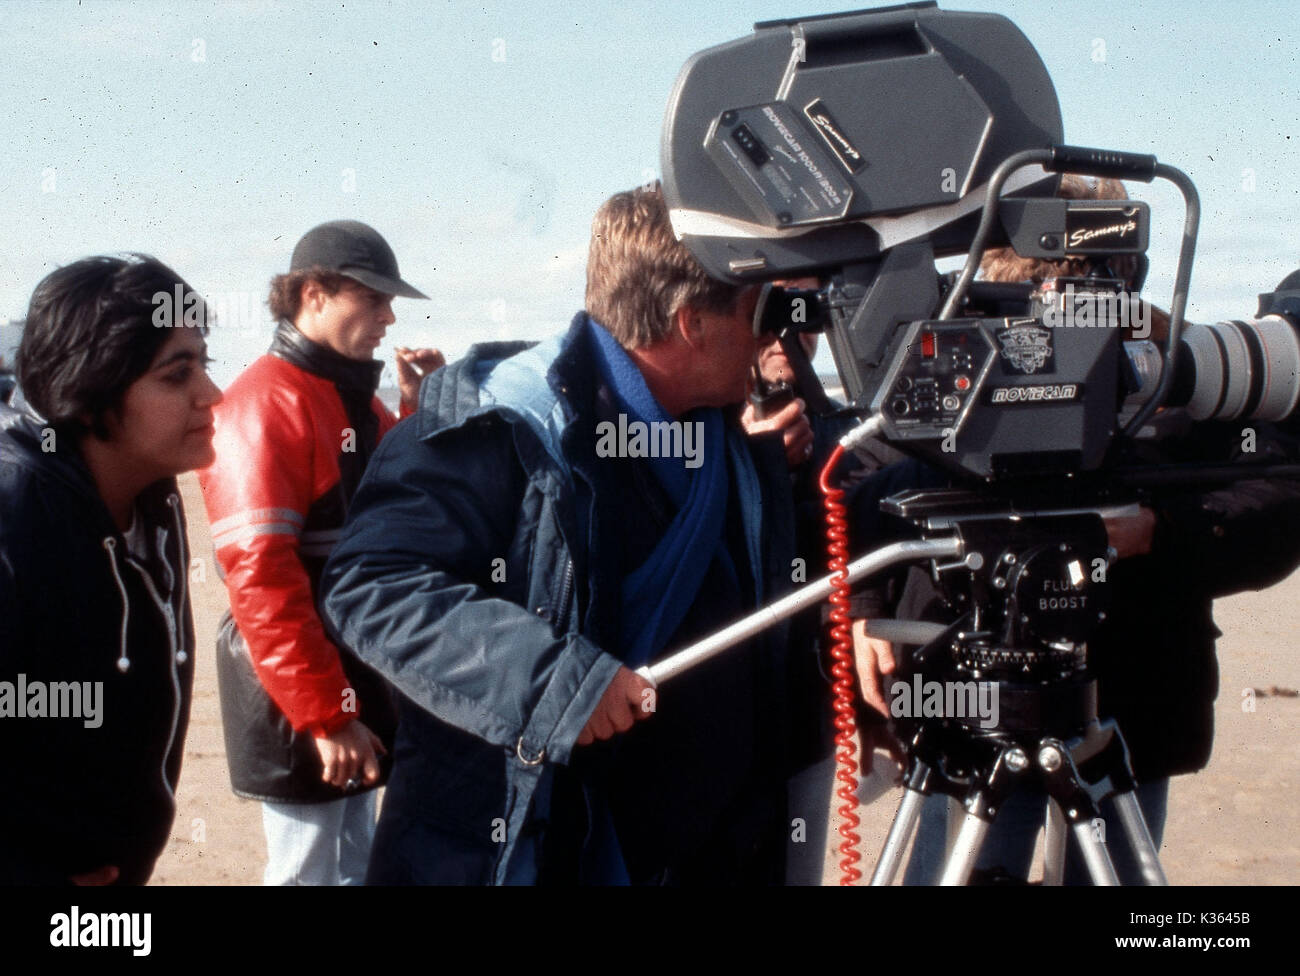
(164, 426)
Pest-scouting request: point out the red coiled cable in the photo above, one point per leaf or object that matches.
(842, 671)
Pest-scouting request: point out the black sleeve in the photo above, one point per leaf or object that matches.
(1242, 537)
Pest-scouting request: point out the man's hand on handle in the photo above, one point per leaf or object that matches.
(874, 659)
(1131, 535)
(628, 699)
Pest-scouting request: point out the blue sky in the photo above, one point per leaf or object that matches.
(480, 141)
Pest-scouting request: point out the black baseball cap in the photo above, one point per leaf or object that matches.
(356, 250)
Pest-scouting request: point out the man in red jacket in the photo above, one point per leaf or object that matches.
(307, 726)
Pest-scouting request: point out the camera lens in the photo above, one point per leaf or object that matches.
(1247, 370)
(1243, 369)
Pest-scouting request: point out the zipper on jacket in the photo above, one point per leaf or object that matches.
(566, 593)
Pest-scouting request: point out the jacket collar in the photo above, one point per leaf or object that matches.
(470, 386)
(22, 435)
(348, 374)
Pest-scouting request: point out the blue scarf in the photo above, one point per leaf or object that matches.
(657, 595)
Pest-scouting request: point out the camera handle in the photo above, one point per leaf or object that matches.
(1097, 162)
(808, 596)
(801, 599)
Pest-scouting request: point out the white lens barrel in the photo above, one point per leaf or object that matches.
(1282, 356)
(1247, 370)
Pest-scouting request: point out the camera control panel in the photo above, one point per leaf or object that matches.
(938, 369)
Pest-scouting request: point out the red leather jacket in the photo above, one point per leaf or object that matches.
(293, 435)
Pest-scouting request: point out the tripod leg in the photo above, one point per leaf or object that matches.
(1095, 856)
(900, 832)
(965, 849)
(1054, 845)
(1135, 827)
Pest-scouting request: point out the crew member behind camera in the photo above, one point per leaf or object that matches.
(808, 438)
(508, 579)
(1154, 655)
(306, 725)
(96, 639)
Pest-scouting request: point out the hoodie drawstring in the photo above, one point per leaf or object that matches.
(174, 504)
(123, 661)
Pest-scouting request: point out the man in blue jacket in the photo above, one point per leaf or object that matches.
(552, 518)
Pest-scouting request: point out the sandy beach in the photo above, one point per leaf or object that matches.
(1233, 823)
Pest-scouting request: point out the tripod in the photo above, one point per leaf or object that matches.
(983, 770)
(1030, 592)
(1027, 598)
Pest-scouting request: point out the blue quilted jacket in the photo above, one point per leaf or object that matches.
(465, 576)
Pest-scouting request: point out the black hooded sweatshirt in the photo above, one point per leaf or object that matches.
(101, 642)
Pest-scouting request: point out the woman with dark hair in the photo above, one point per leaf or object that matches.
(96, 641)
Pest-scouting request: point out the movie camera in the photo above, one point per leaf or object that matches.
(861, 148)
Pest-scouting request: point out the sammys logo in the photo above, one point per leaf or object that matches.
(1085, 234)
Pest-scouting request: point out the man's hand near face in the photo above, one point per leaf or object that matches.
(413, 365)
(792, 422)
